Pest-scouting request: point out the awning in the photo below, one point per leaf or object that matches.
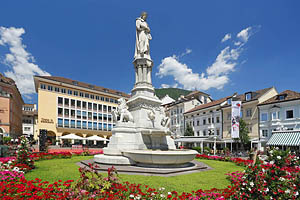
(287, 138)
(190, 139)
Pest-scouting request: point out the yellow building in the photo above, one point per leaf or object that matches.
(249, 112)
(67, 106)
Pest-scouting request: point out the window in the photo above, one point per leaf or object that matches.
(241, 113)
(198, 123)
(104, 117)
(212, 120)
(66, 112)
(99, 116)
(43, 86)
(104, 108)
(83, 114)
(90, 125)
(84, 124)
(106, 99)
(72, 102)
(73, 113)
(92, 96)
(204, 132)
(27, 128)
(56, 89)
(97, 97)
(90, 106)
(204, 121)
(248, 96)
(95, 107)
(59, 111)
(78, 114)
(264, 117)
(70, 92)
(100, 126)
(218, 131)
(104, 126)
(60, 122)
(102, 98)
(78, 104)
(89, 115)
(95, 125)
(66, 123)
(275, 115)
(109, 108)
(229, 101)
(84, 105)
(281, 97)
(198, 133)
(94, 116)
(60, 100)
(50, 88)
(63, 90)
(75, 93)
(72, 123)
(81, 94)
(218, 119)
(99, 107)
(249, 112)
(78, 124)
(289, 114)
(66, 102)
(265, 133)
(87, 95)
(109, 127)
(209, 120)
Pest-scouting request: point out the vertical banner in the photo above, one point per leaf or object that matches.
(235, 118)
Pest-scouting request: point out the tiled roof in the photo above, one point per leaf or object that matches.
(288, 96)
(85, 85)
(255, 94)
(207, 105)
(195, 93)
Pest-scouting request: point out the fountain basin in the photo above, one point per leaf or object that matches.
(161, 157)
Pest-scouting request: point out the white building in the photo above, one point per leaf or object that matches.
(183, 104)
(279, 113)
(29, 119)
(206, 121)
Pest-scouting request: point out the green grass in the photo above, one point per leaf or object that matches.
(65, 169)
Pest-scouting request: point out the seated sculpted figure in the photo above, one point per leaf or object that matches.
(122, 112)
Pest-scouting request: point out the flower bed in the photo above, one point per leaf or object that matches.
(277, 177)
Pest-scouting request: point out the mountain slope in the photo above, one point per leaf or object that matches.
(174, 93)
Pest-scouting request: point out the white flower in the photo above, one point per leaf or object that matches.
(279, 157)
(271, 151)
(287, 191)
(281, 179)
(272, 162)
(162, 195)
(267, 190)
(297, 193)
(131, 195)
(169, 193)
(251, 184)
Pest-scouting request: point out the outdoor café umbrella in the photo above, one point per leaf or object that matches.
(96, 138)
(72, 137)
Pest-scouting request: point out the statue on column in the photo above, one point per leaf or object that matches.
(142, 48)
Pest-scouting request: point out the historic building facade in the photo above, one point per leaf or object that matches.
(176, 110)
(68, 106)
(249, 113)
(11, 103)
(30, 117)
(279, 113)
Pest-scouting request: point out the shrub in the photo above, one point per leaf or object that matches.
(197, 149)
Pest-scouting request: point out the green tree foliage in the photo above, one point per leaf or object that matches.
(244, 137)
(174, 93)
(188, 131)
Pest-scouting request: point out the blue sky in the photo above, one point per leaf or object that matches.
(93, 41)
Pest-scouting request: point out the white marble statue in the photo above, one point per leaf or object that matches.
(122, 112)
(142, 48)
(165, 120)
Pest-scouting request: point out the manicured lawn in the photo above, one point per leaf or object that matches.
(65, 169)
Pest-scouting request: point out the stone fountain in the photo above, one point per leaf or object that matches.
(141, 135)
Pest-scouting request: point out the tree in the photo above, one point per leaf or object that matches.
(188, 131)
(244, 137)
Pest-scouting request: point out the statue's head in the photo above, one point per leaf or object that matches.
(144, 15)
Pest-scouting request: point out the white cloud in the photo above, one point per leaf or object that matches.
(226, 37)
(216, 75)
(19, 60)
(187, 51)
(175, 85)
